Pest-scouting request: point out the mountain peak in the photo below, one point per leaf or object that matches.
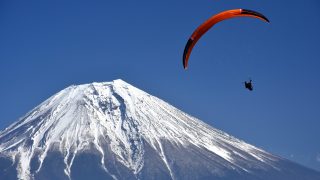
(120, 81)
(126, 127)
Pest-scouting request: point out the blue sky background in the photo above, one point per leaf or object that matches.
(47, 46)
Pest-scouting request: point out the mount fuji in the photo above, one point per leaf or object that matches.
(113, 130)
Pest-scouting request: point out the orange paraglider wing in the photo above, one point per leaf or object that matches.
(203, 28)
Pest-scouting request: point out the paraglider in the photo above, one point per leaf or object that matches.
(203, 28)
(248, 85)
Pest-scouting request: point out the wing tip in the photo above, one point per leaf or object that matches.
(185, 53)
(185, 66)
(255, 13)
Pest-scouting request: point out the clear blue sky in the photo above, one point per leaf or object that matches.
(47, 46)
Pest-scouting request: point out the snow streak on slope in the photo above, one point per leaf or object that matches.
(120, 116)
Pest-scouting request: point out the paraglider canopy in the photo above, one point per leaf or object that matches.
(203, 28)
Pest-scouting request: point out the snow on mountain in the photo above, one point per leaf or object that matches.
(130, 135)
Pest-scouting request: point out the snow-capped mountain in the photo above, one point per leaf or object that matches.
(113, 130)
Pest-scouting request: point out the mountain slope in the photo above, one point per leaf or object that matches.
(113, 130)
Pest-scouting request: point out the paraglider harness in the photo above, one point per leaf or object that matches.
(248, 85)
